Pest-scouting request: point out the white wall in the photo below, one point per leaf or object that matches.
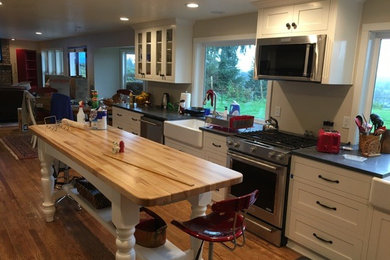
(93, 42)
(304, 106)
(231, 25)
(107, 71)
(376, 11)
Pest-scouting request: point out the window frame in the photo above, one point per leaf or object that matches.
(199, 51)
(366, 68)
(77, 50)
(57, 62)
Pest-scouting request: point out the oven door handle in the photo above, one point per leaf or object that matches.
(254, 162)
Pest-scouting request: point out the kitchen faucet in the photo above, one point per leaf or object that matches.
(210, 94)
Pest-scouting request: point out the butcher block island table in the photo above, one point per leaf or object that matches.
(146, 174)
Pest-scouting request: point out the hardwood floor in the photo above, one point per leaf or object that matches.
(74, 234)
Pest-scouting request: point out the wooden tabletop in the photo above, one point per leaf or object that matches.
(147, 173)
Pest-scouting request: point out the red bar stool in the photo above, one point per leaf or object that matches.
(225, 223)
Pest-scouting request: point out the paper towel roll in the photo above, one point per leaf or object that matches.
(187, 99)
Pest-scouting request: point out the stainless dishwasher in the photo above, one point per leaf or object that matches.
(152, 129)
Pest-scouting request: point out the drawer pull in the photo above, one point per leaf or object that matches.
(118, 114)
(216, 145)
(325, 206)
(120, 127)
(134, 133)
(326, 179)
(322, 239)
(134, 119)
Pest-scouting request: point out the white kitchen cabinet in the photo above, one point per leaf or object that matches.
(328, 210)
(164, 51)
(338, 19)
(308, 17)
(379, 248)
(198, 152)
(126, 120)
(215, 150)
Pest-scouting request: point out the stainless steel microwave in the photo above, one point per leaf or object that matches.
(298, 58)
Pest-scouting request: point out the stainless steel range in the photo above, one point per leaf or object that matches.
(263, 157)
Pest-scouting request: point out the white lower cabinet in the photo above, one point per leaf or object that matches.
(184, 147)
(215, 150)
(328, 210)
(126, 120)
(379, 248)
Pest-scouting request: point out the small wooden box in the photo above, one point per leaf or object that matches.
(370, 145)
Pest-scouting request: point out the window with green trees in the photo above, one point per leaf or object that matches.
(381, 98)
(228, 70)
(128, 72)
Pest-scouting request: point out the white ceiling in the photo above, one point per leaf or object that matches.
(20, 19)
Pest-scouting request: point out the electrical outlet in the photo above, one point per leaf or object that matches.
(346, 122)
(277, 111)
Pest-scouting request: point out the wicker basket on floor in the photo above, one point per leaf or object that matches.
(151, 230)
(370, 145)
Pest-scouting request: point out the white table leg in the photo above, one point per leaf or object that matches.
(125, 216)
(47, 181)
(198, 208)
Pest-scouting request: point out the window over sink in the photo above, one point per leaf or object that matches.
(227, 66)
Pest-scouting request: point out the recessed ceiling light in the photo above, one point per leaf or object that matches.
(39, 33)
(1, 3)
(124, 19)
(192, 5)
(13, 39)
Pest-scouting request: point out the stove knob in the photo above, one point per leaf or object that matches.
(280, 157)
(271, 154)
(236, 145)
(253, 149)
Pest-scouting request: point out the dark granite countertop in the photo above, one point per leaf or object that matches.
(378, 166)
(157, 112)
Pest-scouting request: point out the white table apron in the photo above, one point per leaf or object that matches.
(123, 215)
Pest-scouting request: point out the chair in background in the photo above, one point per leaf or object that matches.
(28, 117)
(60, 106)
(226, 223)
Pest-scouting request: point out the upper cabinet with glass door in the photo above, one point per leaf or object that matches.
(164, 51)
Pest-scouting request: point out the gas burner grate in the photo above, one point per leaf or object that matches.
(279, 139)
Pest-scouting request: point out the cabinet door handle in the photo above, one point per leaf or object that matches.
(288, 25)
(294, 25)
(326, 206)
(134, 119)
(134, 133)
(120, 127)
(118, 114)
(216, 145)
(328, 180)
(322, 239)
(147, 122)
